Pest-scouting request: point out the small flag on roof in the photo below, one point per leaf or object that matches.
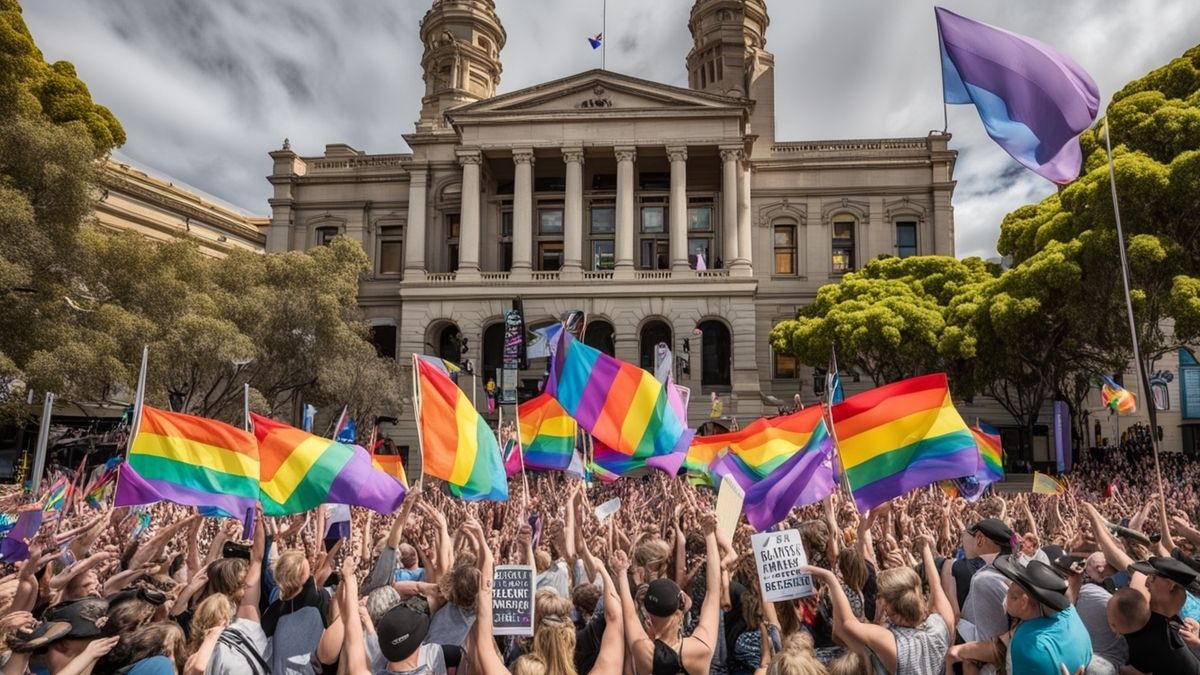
(596, 40)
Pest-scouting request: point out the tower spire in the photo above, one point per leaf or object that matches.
(461, 61)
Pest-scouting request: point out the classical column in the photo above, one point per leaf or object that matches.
(678, 206)
(729, 203)
(414, 230)
(468, 236)
(743, 266)
(573, 215)
(522, 236)
(625, 212)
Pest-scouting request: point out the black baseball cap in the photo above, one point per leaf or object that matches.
(401, 631)
(663, 597)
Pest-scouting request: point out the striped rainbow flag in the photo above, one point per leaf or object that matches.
(755, 451)
(299, 471)
(620, 405)
(991, 452)
(902, 436)
(192, 461)
(547, 434)
(1117, 398)
(391, 465)
(56, 495)
(456, 442)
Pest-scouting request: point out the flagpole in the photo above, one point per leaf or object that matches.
(43, 443)
(246, 405)
(604, 38)
(942, 70)
(1151, 411)
(139, 399)
(521, 455)
(417, 419)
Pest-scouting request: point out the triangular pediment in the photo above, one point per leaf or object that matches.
(597, 91)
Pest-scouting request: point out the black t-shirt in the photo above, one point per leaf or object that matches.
(587, 643)
(1158, 649)
(962, 571)
(869, 591)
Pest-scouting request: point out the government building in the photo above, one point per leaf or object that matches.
(667, 214)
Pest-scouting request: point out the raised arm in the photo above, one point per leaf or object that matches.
(249, 607)
(612, 654)
(636, 640)
(710, 609)
(354, 653)
(856, 633)
(937, 594)
(481, 643)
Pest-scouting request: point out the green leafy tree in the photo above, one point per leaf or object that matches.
(891, 320)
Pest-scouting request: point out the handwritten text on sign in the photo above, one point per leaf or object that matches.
(512, 600)
(780, 556)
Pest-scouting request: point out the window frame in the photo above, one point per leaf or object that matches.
(915, 247)
(792, 249)
(388, 235)
(850, 251)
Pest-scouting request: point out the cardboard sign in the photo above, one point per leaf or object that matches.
(780, 556)
(512, 600)
(729, 506)
(608, 508)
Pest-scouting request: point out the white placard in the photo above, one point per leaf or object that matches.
(608, 508)
(730, 497)
(780, 557)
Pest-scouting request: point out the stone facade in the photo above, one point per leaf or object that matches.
(157, 208)
(665, 213)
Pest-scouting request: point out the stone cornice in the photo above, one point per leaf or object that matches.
(177, 200)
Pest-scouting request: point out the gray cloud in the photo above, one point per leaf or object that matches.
(206, 89)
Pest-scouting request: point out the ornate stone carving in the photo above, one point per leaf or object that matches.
(731, 154)
(466, 157)
(625, 154)
(677, 153)
(523, 156)
(572, 155)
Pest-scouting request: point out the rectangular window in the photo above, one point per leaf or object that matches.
(785, 249)
(843, 246)
(506, 256)
(550, 184)
(653, 221)
(700, 247)
(786, 367)
(384, 340)
(506, 223)
(604, 220)
(654, 180)
(453, 225)
(604, 181)
(603, 254)
(391, 251)
(550, 255)
(550, 221)
(906, 239)
(453, 257)
(655, 254)
(699, 219)
(326, 235)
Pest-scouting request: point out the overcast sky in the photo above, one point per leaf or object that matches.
(206, 88)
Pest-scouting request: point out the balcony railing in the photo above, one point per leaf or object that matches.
(543, 276)
(653, 275)
(598, 275)
(440, 278)
(494, 277)
(712, 274)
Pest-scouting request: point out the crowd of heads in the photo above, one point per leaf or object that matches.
(1099, 579)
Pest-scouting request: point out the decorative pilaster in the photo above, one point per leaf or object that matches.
(730, 156)
(626, 155)
(573, 215)
(522, 237)
(678, 208)
(468, 240)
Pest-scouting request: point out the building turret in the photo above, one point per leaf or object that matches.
(461, 62)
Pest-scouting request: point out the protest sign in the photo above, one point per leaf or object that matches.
(729, 506)
(780, 556)
(512, 600)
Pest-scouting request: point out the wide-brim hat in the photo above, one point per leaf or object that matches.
(1038, 579)
(1171, 569)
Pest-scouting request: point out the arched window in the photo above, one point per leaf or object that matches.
(493, 351)
(653, 332)
(600, 335)
(716, 355)
(448, 344)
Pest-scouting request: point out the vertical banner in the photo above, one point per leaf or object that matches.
(512, 600)
(1062, 436)
(310, 413)
(780, 557)
(513, 339)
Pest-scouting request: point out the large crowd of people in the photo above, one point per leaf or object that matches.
(1098, 579)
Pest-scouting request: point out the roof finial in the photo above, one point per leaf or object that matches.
(287, 145)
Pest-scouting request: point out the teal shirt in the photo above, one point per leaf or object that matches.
(1040, 645)
(1191, 608)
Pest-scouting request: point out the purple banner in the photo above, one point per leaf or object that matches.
(1062, 436)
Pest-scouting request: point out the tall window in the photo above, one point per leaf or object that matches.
(506, 232)
(843, 246)
(700, 231)
(653, 333)
(602, 225)
(716, 354)
(453, 227)
(550, 237)
(906, 239)
(600, 335)
(384, 340)
(785, 249)
(653, 252)
(325, 235)
(391, 251)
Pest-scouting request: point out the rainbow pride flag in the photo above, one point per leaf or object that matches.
(192, 461)
(902, 436)
(56, 495)
(1117, 398)
(991, 452)
(622, 406)
(547, 434)
(802, 475)
(300, 471)
(456, 442)
(756, 450)
(391, 465)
